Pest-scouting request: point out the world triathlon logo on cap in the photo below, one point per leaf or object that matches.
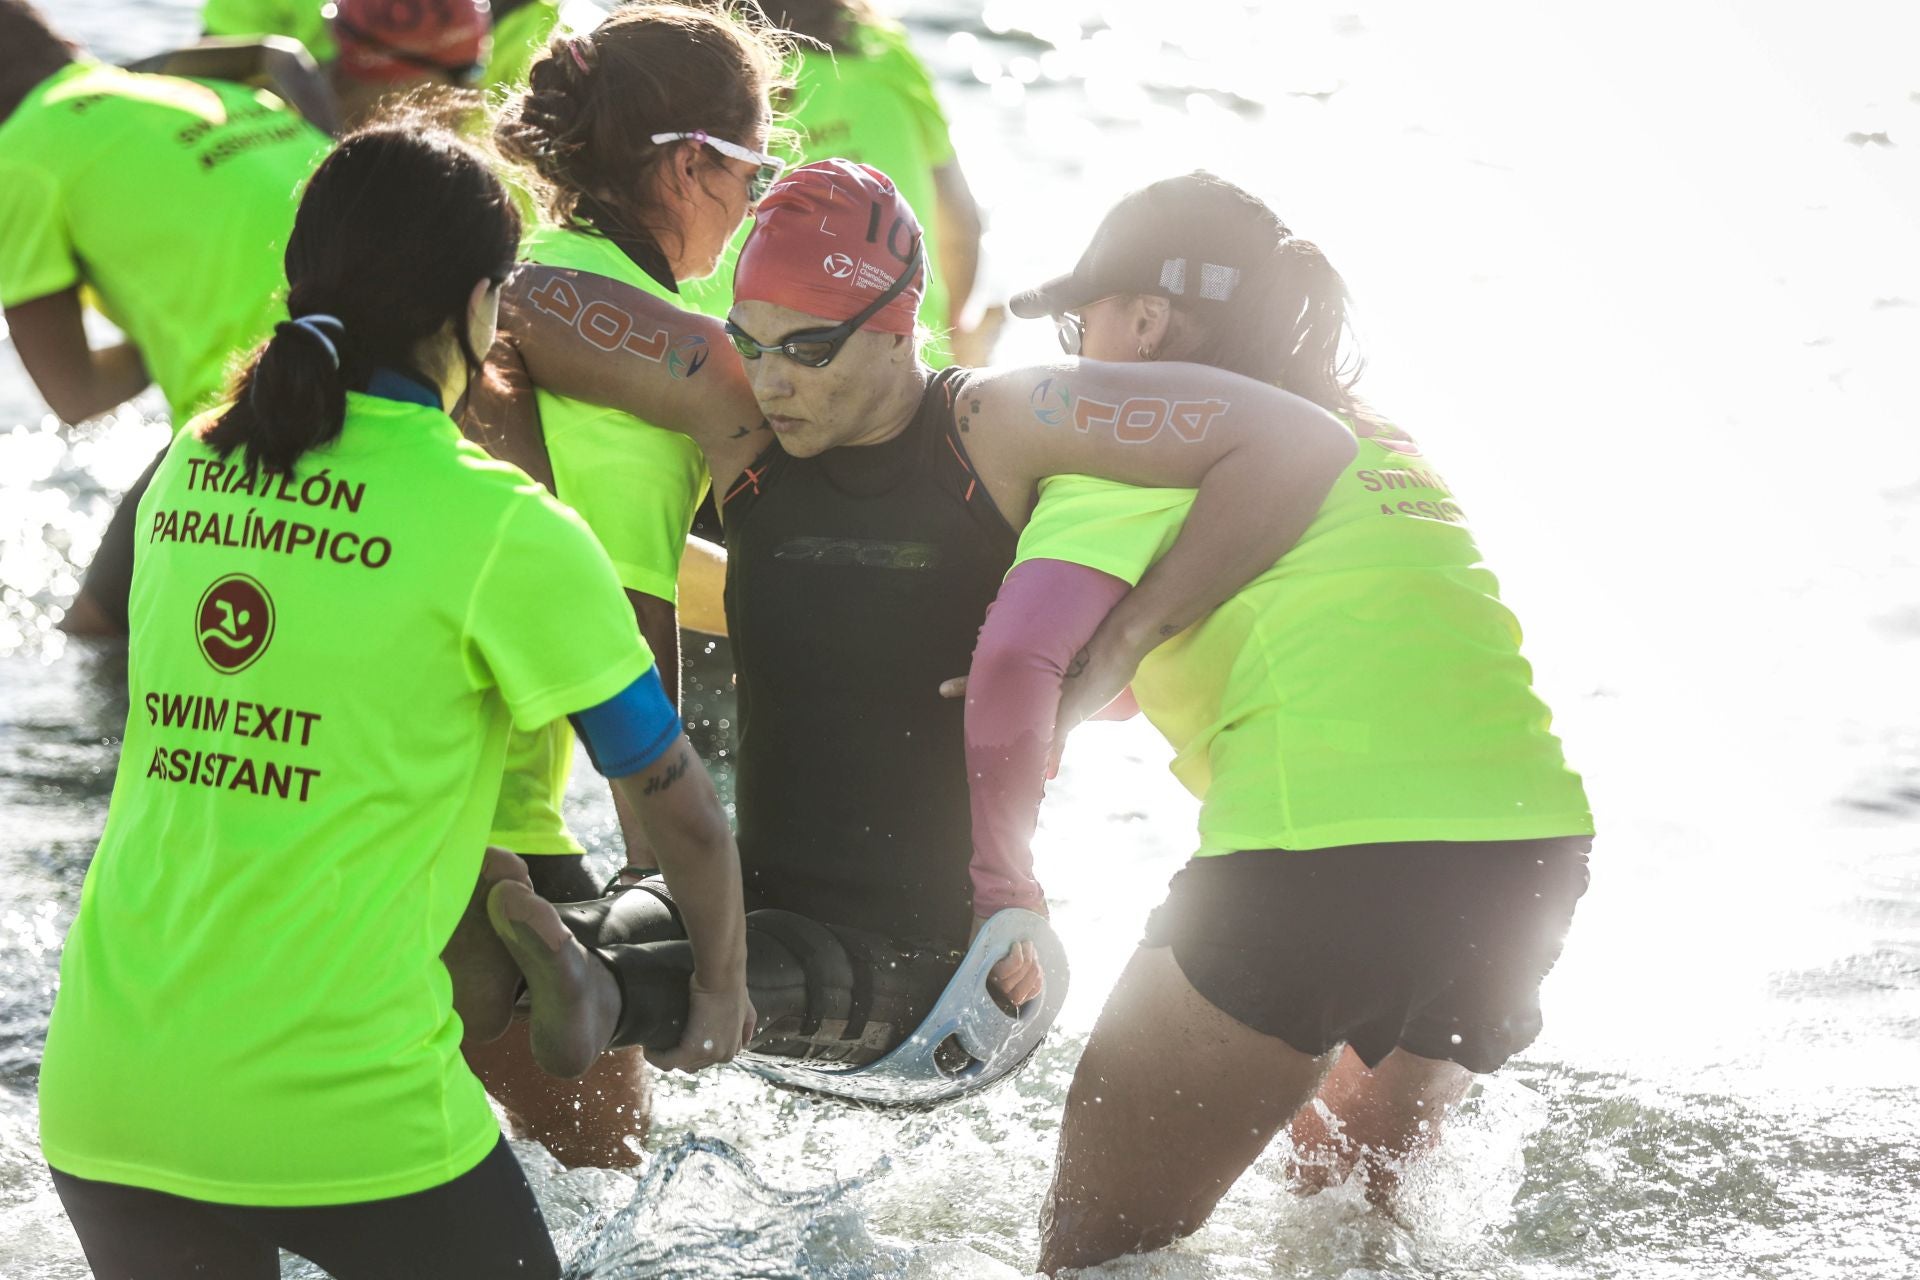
(234, 623)
(838, 265)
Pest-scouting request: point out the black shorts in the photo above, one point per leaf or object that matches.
(1436, 947)
(485, 1223)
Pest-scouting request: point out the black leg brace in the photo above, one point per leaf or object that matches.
(822, 992)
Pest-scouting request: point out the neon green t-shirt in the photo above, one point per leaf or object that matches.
(301, 19)
(873, 104)
(252, 1006)
(1367, 688)
(518, 37)
(637, 487)
(171, 198)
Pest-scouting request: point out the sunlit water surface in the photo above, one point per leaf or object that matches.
(1644, 279)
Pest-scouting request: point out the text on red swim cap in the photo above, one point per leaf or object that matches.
(827, 239)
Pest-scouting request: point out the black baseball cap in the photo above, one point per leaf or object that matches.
(1193, 238)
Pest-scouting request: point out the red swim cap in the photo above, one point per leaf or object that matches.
(381, 41)
(828, 239)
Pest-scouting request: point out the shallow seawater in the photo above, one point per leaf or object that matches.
(1646, 281)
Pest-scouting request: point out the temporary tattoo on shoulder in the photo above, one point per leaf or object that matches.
(674, 772)
(966, 419)
(612, 329)
(1052, 402)
(688, 356)
(1133, 421)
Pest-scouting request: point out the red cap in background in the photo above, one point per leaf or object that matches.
(382, 41)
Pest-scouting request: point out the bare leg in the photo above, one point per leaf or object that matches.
(1172, 1101)
(1381, 1118)
(598, 1120)
(575, 1002)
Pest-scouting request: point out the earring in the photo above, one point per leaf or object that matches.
(1144, 351)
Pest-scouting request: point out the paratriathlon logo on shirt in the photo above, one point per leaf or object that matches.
(838, 265)
(234, 623)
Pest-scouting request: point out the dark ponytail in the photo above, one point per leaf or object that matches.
(395, 228)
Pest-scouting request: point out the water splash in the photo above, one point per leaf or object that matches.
(703, 1211)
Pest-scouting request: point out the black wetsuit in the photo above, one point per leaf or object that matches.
(857, 582)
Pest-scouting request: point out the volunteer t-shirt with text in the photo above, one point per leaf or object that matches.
(1367, 688)
(323, 673)
(171, 198)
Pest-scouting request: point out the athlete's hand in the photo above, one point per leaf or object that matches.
(1017, 978)
(719, 1023)
(1098, 674)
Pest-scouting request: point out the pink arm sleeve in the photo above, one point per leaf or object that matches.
(1045, 612)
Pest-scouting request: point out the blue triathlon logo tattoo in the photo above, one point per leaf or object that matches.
(1052, 405)
(688, 356)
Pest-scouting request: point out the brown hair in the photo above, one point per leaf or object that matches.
(585, 122)
(30, 51)
(1289, 324)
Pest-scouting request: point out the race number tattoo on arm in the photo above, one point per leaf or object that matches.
(1136, 420)
(1078, 666)
(609, 328)
(674, 772)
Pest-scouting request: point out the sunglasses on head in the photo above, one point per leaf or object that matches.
(816, 348)
(761, 178)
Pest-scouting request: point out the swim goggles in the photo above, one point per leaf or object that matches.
(762, 178)
(816, 348)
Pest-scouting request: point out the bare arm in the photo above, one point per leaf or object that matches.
(500, 414)
(958, 218)
(690, 837)
(275, 63)
(1262, 460)
(77, 381)
(703, 584)
(594, 339)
